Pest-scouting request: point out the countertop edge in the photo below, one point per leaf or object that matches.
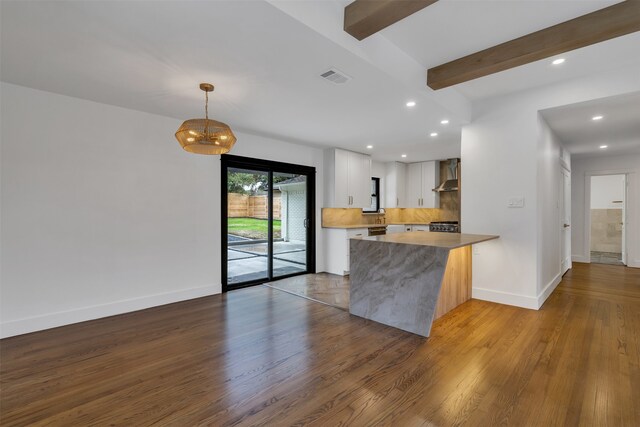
(478, 238)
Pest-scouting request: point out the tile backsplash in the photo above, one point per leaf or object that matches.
(606, 230)
(336, 217)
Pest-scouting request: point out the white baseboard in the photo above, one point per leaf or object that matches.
(54, 320)
(551, 286)
(505, 298)
(580, 258)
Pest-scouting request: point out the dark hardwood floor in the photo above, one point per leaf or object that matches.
(260, 356)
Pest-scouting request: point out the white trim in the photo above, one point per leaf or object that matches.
(505, 298)
(633, 263)
(61, 318)
(580, 258)
(551, 286)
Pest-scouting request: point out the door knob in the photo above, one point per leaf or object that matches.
(567, 225)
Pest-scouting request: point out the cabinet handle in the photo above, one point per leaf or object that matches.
(397, 202)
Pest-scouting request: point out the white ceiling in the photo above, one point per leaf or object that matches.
(265, 61)
(451, 29)
(150, 56)
(619, 128)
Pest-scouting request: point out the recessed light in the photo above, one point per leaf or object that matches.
(434, 133)
(444, 122)
(602, 147)
(369, 147)
(558, 61)
(411, 104)
(596, 118)
(403, 156)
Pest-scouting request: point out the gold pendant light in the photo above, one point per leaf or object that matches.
(204, 136)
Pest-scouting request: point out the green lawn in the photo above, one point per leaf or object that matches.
(252, 228)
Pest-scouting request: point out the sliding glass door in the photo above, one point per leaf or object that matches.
(267, 220)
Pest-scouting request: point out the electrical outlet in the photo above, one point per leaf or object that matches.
(476, 249)
(516, 202)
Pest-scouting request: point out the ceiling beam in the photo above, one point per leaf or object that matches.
(363, 18)
(604, 24)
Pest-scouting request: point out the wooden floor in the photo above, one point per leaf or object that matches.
(260, 356)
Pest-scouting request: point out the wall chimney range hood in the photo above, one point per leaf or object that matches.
(451, 181)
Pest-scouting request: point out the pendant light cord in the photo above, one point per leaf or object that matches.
(206, 113)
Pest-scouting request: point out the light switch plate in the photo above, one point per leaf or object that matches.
(516, 202)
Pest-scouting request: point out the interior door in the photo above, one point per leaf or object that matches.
(625, 188)
(565, 223)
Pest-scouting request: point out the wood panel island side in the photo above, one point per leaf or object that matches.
(407, 280)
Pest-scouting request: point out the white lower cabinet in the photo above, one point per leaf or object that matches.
(391, 229)
(337, 248)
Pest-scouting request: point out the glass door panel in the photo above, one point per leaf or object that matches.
(267, 221)
(290, 224)
(247, 225)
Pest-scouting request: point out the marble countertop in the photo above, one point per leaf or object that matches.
(433, 239)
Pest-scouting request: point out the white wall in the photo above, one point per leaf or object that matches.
(499, 150)
(583, 169)
(502, 157)
(102, 212)
(605, 189)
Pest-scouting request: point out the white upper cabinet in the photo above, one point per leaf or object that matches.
(395, 185)
(422, 178)
(348, 180)
(359, 179)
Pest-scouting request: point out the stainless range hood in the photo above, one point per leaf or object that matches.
(451, 181)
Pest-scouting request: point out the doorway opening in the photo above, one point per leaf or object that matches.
(268, 227)
(607, 211)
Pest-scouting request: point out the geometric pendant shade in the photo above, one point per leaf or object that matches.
(205, 136)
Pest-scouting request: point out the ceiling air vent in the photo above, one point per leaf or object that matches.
(335, 76)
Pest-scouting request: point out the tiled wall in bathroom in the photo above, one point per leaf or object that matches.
(606, 230)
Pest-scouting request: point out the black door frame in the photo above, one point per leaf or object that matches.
(269, 167)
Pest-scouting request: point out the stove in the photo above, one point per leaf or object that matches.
(445, 226)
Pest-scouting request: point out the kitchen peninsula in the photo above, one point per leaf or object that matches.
(407, 280)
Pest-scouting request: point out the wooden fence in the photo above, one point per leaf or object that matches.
(244, 206)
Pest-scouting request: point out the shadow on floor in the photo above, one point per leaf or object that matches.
(611, 258)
